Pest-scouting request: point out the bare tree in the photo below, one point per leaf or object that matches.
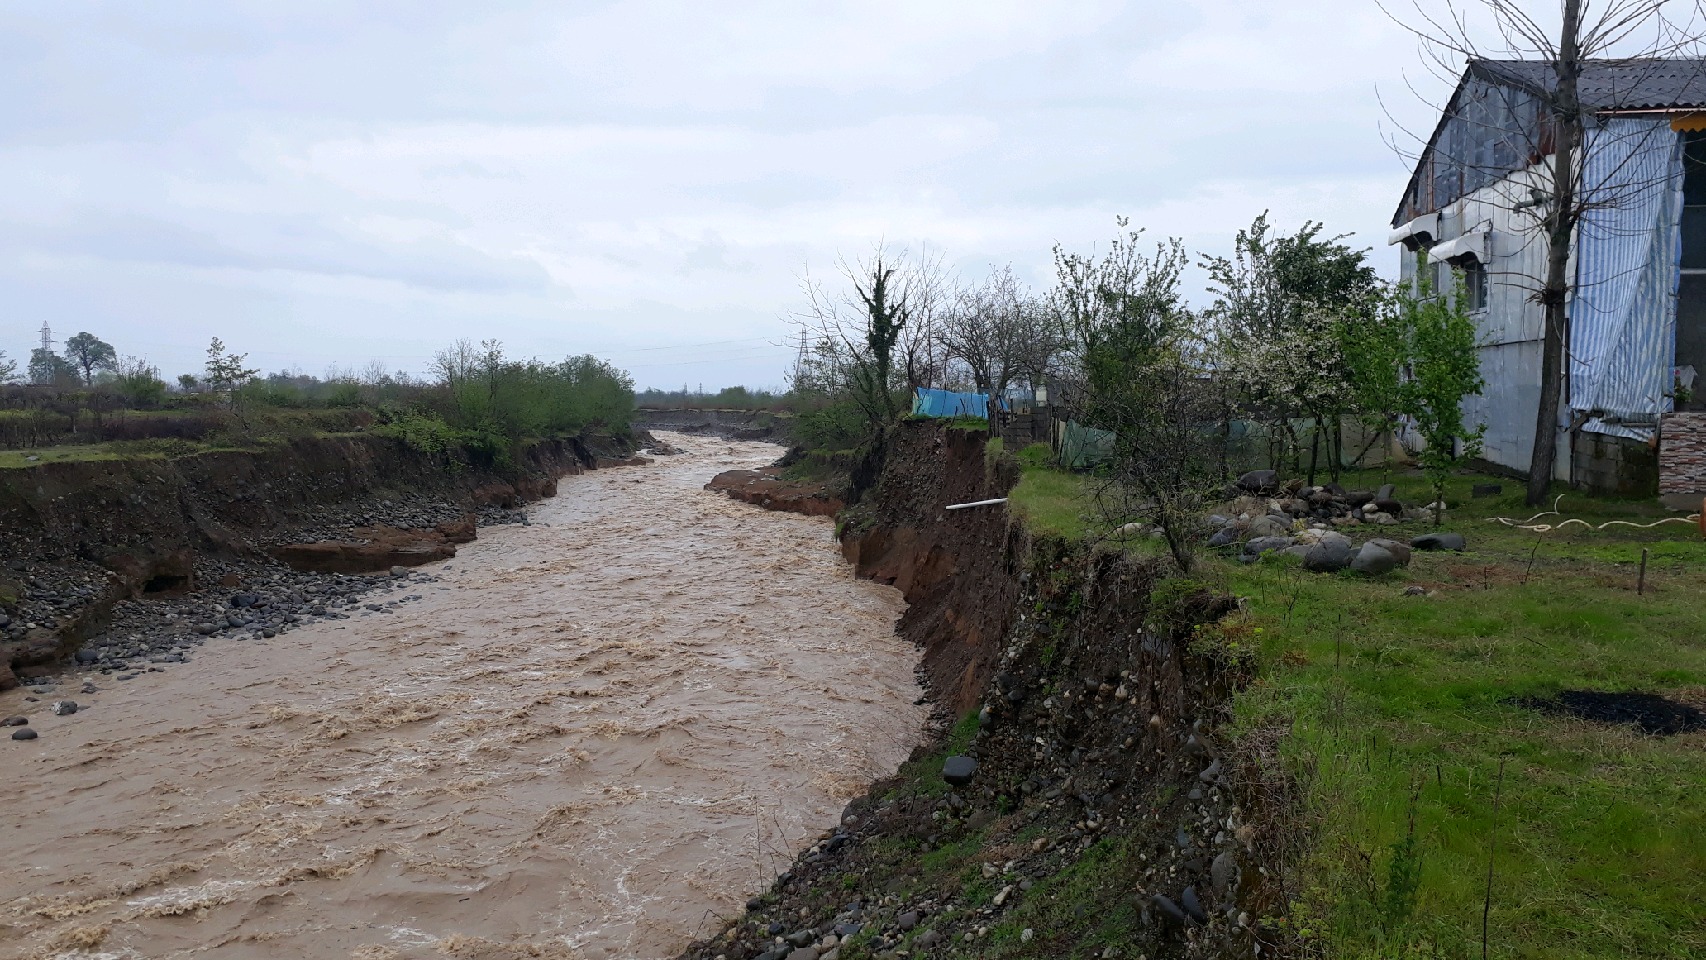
(920, 353)
(1000, 332)
(1636, 33)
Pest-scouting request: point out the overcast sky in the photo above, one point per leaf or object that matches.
(328, 183)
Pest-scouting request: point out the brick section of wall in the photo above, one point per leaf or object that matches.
(1682, 454)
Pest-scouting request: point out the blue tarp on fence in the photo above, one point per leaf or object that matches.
(945, 403)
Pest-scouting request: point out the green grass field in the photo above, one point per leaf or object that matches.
(1401, 708)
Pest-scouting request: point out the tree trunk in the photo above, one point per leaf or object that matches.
(1314, 449)
(1554, 296)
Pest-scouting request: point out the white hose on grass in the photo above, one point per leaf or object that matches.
(1529, 524)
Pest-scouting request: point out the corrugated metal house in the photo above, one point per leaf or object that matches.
(1637, 310)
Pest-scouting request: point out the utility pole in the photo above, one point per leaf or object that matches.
(47, 340)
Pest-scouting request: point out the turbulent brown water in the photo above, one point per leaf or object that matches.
(594, 735)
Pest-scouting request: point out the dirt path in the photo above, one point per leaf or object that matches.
(593, 734)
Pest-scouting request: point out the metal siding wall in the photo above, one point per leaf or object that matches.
(1510, 326)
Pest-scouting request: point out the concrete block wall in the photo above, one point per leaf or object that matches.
(1614, 465)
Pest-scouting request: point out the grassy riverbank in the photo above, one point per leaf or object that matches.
(1397, 714)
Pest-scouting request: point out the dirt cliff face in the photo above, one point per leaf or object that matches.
(1079, 799)
(76, 537)
(902, 534)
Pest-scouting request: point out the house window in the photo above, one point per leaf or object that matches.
(1472, 272)
(1475, 283)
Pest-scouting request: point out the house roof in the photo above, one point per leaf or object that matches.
(1604, 86)
(1644, 84)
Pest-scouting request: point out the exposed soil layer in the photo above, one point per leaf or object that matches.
(377, 548)
(1084, 691)
(1649, 712)
(959, 570)
(78, 537)
(766, 488)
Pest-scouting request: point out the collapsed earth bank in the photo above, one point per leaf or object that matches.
(80, 538)
(1078, 797)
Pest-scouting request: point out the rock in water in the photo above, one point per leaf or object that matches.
(1328, 556)
(1439, 541)
(23, 733)
(63, 708)
(1373, 560)
(959, 770)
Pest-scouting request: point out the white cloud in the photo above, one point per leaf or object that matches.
(321, 183)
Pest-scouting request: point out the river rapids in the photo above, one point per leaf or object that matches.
(592, 737)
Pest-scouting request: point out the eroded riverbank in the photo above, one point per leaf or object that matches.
(590, 736)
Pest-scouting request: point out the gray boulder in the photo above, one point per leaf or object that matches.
(959, 770)
(1224, 872)
(1373, 560)
(1396, 548)
(1328, 556)
(1261, 545)
(1268, 526)
(1259, 481)
(1224, 537)
(1438, 541)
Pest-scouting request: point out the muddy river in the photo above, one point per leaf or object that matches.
(593, 736)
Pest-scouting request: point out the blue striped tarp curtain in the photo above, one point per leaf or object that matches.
(1628, 250)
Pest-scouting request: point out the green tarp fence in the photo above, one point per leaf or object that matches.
(1082, 447)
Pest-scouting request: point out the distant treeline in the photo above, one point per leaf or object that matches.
(728, 398)
(475, 403)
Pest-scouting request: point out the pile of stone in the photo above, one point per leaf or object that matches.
(1261, 493)
(1270, 518)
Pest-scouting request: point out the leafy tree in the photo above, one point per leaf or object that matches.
(1441, 369)
(1144, 376)
(8, 369)
(90, 353)
(1282, 306)
(1112, 313)
(225, 371)
(139, 382)
(187, 382)
(49, 368)
(1373, 346)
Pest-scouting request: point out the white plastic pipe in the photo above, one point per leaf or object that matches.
(977, 503)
